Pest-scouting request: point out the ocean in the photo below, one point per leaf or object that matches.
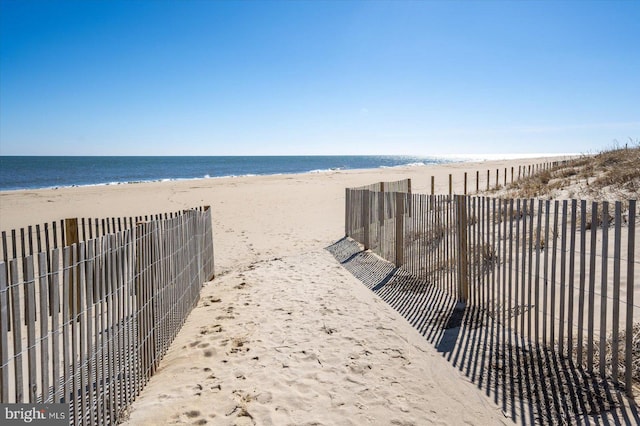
(17, 172)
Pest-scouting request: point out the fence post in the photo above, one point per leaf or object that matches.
(409, 199)
(488, 179)
(347, 204)
(630, 287)
(477, 181)
(366, 217)
(465, 183)
(381, 218)
(450, 185)
(399, 228)
(72, 236)
(433, 186)
(463, 279)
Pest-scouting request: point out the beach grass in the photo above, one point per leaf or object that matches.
(610, 175)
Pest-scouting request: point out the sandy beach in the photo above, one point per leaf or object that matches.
(284, 334)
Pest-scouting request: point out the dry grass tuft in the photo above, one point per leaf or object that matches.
(608, 356)
(610, 175)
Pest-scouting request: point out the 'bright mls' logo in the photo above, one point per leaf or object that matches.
(49, 414)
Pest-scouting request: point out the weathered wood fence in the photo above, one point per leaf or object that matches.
(89, 307)
(560, 274)
(503, 176)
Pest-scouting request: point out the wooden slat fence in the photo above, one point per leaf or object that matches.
(464, 184)
(86, 322)
(561, 274)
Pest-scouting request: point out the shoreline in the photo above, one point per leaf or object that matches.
(447, 159)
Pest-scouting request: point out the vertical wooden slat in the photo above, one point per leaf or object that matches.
(581, 291)
(4, 298)
(604, 284)
(131, 371)
(523, 270)
(83, 337)
(546, 246)
(495, 246)
(563, 267)
(38, 239)
(141, 298)
(83, 227)
(30, 318)
(48, 248)
(530, 272)
(615, 321)
(538, 247)
(477, 238)
(630, 289)
(486, 242)
(571, 283)
(30, 238)
(347, 210)
(121, 319)
(381, 197)
(110, 325)
(43, 292)
(511, 271)
(592, 285)
(463, 279)
(14, 245)
(366, 218)
(73, 319)
(502, 238)
(583, 281)
(5, 253)
(554, 258)
(102, 372)
(17, 334)
(465, 183)
(67, 272)
(55, 324)
(91, 332)
(517, 268)
(4, 334)
(72, 237)
(399, 229)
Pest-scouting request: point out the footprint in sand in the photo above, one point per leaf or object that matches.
(216, 328)
(238, 345)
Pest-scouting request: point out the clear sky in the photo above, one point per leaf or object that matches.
(311, 77)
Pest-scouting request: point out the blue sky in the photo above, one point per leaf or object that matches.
(299, 77)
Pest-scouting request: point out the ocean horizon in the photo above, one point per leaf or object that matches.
(41, 172)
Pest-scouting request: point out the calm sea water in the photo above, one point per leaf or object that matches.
(51, 172)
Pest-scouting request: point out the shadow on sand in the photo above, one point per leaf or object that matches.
(531, 384)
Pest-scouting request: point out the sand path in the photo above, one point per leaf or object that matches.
(298, 340)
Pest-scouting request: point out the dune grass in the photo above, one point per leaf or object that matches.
(613, 174)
